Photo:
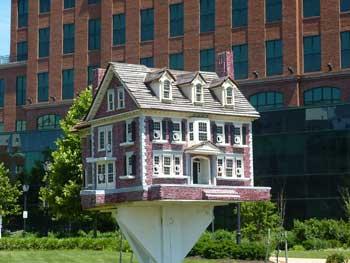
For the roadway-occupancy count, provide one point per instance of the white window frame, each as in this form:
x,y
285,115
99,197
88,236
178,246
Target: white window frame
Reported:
x,y
231,97
239,159
128,131
180,173
191,131
128,167
159,156
106,130
196,129
196,93
170,166
231,159
121,102
170,90
175,122
240,136
110,100
222,134
104,168
160,130
222,166
235,159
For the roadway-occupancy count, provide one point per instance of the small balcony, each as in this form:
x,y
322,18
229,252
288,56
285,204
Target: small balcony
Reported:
x,y
7,59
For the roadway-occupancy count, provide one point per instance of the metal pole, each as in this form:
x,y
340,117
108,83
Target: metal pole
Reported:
x,y
121,247
212,225
238,235
286,246
24,210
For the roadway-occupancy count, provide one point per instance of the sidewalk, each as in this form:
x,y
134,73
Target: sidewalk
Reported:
x,y
298,260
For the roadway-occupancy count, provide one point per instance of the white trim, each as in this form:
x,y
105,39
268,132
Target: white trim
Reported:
x,y
171,177
250,144
114,191
125,144
127,168
211,182
160,130
100,159
196,122
129,133
120,90
110,103
105,130
143,150
126,177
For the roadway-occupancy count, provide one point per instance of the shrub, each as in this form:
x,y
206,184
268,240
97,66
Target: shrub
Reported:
x,y
336,258
315,244
298,248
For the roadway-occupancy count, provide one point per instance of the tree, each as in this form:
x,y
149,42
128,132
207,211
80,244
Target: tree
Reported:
x,y
257,218
9,194
345,195
64,178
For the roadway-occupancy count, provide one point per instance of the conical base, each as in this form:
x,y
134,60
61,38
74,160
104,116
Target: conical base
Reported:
x,y
163,233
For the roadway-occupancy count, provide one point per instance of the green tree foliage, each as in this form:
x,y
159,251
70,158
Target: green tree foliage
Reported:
x,y
64,179
257,218
9,194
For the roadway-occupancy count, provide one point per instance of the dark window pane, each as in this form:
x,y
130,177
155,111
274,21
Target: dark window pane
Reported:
x,y
94,34
176,20
322,95
274,57
344,5
68,38
91,69
311,8
2,92
345,49
148,62
22,51
67,84
48,122
312,53
239,13
22,13
273,10
44,42
69,4
21,88
119,29
147,24
207,15
207,60
240,61
177,61
45,6
43,87
267,100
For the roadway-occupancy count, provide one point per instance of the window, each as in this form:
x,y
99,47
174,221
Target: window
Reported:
x,y
44,42
105,138
2,92
345,49
68,38
176,61
101,173
177,165
229,96
157,130
267,100
45,6
207,57
90,2
220,167
156,165
239,13
43,86
69,4
311,8
322,95
229,167
22,51
119,29
273,10
207,11
121,98
94,34
147,24
110,100
49,122
344,5
22,13
167,165
67,84
91,69
110,174
1,127
312,53
191,131
105,174
220,133
130,131
198,93
176,131
176,20
240,59
21,87
21,126
239,167
167,90
202,131
148,62
130,164
274,57
237,135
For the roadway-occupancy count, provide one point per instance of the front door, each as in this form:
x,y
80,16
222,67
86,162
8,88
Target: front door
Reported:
x,y
196,170
200,171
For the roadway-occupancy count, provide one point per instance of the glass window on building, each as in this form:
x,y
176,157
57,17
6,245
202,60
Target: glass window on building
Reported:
x,y
69,4
267,100
177,61
22,13
344,5
22,51
45,6
148,62
91,69
21,89
48,122
273,10
239,13
274,57
176,20
21,126
322,95
119,29
94,34
147,24
207,15
240,61
2,92
67,84
207,60
2,129
44,42
91,2
68,38
312,53
345,49
43,87
311,8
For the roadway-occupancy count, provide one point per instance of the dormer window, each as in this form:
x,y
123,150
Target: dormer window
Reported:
x,y
110,99
199,93
167,90
229,96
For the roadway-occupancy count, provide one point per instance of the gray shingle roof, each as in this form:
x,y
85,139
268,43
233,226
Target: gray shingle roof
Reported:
x,y
135,76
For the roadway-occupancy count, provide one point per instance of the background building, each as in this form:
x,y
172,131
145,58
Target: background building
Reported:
x,y
289,56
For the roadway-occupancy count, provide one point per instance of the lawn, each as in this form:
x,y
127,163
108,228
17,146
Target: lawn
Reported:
x,y
315,253
75,256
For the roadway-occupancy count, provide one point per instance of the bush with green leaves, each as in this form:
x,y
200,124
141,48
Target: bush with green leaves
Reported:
x,y
337,258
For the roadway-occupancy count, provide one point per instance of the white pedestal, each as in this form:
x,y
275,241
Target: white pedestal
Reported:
x,y
163,233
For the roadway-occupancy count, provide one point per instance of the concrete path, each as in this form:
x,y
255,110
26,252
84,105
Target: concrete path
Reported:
x,y
298,260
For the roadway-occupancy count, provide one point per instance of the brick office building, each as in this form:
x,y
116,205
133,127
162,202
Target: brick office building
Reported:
x,y
287,54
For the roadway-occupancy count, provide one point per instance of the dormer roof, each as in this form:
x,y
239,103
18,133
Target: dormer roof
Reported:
x,y
218,82
157,74
187,78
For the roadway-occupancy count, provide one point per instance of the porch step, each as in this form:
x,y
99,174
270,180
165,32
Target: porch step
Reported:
x,y
220,194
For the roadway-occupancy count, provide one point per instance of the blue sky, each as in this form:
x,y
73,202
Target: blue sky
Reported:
x,y
5,23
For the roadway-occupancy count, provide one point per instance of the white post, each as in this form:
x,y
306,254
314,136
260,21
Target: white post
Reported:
x,y
0,225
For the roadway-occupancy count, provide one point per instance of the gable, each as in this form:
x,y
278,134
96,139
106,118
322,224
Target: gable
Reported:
x,y
204,148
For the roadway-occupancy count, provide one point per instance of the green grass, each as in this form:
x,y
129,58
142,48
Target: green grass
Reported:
x,y
75,256
314,253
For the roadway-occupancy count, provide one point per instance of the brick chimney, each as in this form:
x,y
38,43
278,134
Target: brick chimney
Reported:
x,y
224,64
98,76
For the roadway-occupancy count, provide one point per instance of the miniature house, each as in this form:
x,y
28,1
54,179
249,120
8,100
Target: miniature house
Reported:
x,y
158,134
